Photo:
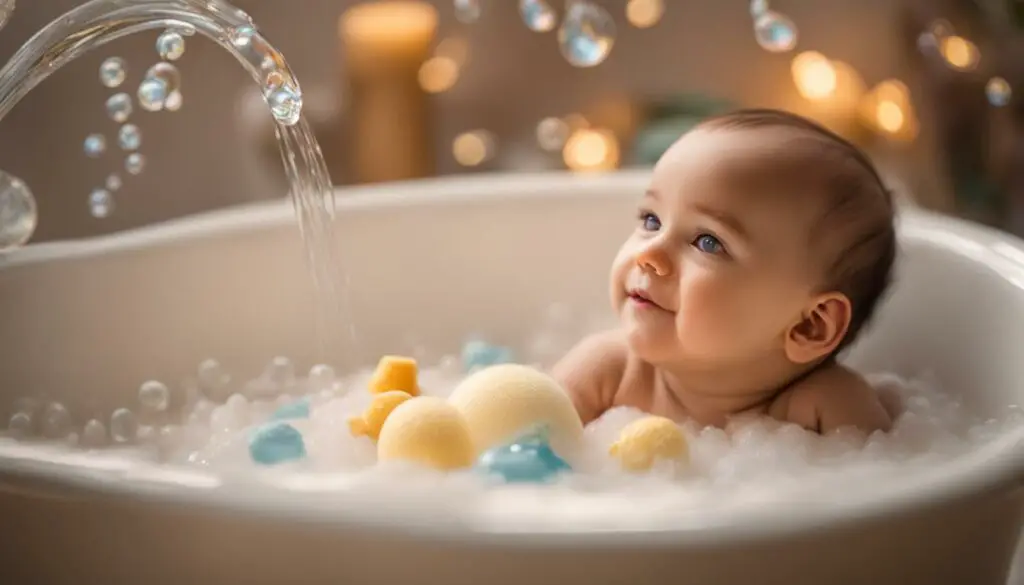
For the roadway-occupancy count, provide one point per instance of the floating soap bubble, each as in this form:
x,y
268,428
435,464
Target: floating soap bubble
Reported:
x,y
95,145
212,377
280,371
170,45
6,11
152,94
285,104
467,11
119,107
20,425
242,36
134,163
18,213
113,72
113,182
321,376
129,137
154,396
56,421
758,8
94,434
552,134
101,203
775,32
538,15
124,427
173,102
998,92
169,74
586,35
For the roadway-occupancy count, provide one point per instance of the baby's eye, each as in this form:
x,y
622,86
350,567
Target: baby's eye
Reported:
x,y
650,221
708,244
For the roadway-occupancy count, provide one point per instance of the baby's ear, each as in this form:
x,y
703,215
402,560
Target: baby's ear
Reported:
x,y
820,330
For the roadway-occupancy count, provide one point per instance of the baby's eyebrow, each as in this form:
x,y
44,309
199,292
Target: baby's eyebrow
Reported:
x,y
727,219
651,194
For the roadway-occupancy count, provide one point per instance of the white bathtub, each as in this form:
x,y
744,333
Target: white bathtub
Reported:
x,y
86,322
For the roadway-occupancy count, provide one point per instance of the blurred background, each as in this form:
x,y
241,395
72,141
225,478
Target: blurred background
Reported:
x,y
412,89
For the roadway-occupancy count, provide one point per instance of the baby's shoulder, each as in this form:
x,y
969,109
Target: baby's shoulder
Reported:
x,y
832,397
592,371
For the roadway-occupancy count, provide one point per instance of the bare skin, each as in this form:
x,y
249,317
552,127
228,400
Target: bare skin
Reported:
x,y
720,304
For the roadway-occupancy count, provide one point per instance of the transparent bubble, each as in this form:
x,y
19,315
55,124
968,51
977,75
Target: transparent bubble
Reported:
x,y
280,371
18,213
20,425
119,107
758,7
134,163
113,72
212,377
998,92
94,434
552,134
152,94
586,35
467,11
170,45
56,421
285,104
129,137
173,102
321,376
113,182
538,15
124,427
775,33
101,203
169,74
6,11
154,396
242,36
94,145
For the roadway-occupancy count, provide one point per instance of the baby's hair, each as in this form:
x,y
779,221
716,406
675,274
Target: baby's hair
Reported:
x,y
858,206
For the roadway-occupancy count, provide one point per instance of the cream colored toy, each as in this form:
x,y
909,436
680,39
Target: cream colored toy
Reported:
x,y
395,373
646,440
429,431
372,419
501,402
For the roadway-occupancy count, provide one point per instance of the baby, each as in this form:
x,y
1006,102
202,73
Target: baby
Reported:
x,y
761,249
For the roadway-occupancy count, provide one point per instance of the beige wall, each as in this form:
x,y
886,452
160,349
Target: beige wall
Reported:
x,y
204,155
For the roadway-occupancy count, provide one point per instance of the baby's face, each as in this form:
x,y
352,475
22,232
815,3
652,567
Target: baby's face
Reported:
x,y
718,268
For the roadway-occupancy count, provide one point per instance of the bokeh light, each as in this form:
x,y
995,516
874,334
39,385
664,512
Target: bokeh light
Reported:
x,y
591,149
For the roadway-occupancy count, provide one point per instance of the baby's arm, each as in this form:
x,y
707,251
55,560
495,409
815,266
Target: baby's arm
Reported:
x,y
591,373
831,398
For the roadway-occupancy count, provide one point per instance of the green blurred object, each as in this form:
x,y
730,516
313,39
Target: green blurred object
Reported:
x,y
670,119
1016,10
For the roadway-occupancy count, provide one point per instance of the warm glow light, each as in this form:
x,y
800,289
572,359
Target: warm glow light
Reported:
x,y
454,48
576,122
438,74
889,116
388,23
814,75
591,150
888,109
959,52
470,149
644,13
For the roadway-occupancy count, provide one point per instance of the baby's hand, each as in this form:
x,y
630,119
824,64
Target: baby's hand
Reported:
x,y
592,371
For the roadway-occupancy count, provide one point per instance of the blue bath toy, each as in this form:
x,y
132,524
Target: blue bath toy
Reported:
x,y
478,354
528,459
276,442
292,410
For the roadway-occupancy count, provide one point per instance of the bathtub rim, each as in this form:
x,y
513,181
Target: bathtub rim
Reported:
x,y
996,468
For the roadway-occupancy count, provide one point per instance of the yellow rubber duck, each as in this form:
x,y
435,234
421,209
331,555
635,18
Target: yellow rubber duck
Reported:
x,y
372,419
646,440
395,373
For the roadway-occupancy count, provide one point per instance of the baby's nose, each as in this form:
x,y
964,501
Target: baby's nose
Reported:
x,y
653,258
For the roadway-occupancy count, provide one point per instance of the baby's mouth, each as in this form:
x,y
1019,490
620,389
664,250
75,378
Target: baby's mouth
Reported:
x,y
642,298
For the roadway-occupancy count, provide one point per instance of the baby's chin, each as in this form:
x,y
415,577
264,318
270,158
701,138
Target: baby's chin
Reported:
x,y
648,343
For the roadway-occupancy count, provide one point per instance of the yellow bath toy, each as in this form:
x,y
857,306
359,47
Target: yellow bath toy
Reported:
x,y
429,431
395,373
644,441
502,401
371,421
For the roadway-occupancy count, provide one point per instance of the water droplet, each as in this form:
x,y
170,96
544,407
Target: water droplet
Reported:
x,y
6,11
94,434
586,35
467,11
113,72
173,102
95,145
285,104
154,396
552,134
998,91
113,182
758,7
152,94
242,36
18,213
20,425
124,427
775,32
119,107
134,163
101,203
56,421
538,15
170,45
184,29
129,137
169,74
